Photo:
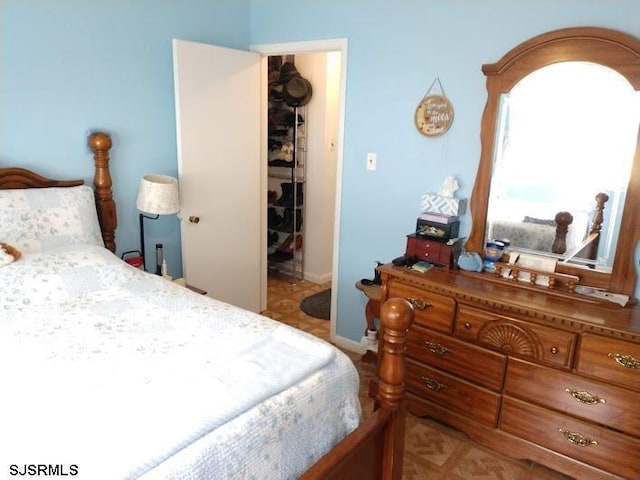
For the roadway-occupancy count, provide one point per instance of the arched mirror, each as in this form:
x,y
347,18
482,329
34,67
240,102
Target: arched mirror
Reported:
x,y
559,174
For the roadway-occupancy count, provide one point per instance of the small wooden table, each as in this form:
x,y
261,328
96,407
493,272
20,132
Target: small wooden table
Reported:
x,y
371,312
372,309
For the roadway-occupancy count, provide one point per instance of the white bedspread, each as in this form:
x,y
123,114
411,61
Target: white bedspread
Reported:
x,y
125,374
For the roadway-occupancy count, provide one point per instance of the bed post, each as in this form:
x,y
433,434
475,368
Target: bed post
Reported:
x,y
596,226
563,220
396,315
100,144
375,450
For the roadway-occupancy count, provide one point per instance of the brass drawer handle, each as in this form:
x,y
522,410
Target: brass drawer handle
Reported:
x,y
433,384
436,348
585,397
577,438
419,304
627,361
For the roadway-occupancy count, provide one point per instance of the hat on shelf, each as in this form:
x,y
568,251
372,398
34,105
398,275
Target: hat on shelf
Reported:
x,y
288,71
276,93
297,91
274,76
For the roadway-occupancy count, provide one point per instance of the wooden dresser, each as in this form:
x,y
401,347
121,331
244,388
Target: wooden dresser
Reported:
x,y
532,375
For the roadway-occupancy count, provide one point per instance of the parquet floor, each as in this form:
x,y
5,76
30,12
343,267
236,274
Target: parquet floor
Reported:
x,y
433,451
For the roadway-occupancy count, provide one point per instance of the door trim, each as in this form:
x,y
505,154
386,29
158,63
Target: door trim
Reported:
x,y
311,46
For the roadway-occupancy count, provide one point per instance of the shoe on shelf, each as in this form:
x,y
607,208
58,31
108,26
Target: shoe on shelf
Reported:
x,y
377,280
274,219
290,196
279,256
291,245
286,225
272,239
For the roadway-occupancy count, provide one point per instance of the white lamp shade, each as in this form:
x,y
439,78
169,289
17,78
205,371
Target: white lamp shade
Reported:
x,y
158,195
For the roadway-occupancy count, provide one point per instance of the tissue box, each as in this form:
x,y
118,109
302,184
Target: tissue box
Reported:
x,y
434,203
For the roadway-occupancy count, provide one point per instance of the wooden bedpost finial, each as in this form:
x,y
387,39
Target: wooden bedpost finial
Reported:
x,y
396,315
100,144
563,220
598,217
99,141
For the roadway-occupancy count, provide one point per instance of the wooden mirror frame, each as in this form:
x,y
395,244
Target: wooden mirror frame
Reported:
x,y
616,50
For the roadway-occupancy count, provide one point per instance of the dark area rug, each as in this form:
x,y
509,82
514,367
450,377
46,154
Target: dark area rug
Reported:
x,y
317,305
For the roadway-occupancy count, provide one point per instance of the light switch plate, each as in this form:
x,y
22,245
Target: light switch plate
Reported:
x,y
371,161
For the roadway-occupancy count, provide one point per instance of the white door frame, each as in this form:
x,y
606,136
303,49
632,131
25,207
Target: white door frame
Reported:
x,y
312,46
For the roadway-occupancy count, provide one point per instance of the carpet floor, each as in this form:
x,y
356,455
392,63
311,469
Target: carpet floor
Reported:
x,y
433,451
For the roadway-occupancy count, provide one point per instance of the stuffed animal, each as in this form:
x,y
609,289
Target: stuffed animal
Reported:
x,y
8,254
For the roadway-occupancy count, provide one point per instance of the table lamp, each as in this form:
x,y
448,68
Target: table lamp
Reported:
x,y
157,195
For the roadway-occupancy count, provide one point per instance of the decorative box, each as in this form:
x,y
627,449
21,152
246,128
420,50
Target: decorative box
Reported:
x,y
433,251
436,230
434,203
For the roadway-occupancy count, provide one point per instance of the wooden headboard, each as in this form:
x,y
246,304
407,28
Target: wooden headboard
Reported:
x,y
100,144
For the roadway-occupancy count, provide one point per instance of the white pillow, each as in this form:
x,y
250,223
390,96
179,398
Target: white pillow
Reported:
x,y
37,219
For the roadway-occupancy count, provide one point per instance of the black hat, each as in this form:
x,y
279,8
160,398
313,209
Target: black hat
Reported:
x,y
287,72
297,91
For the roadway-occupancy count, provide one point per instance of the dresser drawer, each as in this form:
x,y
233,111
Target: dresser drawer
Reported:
x,y
516,337
610,359
453,393
614,407
430,309
429,250
614,452
468,361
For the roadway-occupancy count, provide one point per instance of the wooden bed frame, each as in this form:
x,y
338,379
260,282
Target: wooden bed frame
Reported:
x,y
100,144
589,247
375,449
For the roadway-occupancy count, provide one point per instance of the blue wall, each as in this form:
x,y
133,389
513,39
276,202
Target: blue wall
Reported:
x,y
396,49
69,66
73,65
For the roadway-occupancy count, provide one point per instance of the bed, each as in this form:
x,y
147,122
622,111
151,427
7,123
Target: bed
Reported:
x,y
111,372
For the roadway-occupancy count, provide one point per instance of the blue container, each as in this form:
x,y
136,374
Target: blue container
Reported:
x,y
493,251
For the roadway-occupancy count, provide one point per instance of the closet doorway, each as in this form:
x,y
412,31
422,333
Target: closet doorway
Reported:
x,y
323,64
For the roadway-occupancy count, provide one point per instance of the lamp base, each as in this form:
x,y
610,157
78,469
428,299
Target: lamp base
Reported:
x,y
144,258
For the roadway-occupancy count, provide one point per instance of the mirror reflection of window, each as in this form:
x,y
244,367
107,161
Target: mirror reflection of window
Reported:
x,y
566,132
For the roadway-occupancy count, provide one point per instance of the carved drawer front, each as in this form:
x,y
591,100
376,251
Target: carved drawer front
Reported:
x,y
592,444
610,359
468,361
608,405
516,337
430,309
453,393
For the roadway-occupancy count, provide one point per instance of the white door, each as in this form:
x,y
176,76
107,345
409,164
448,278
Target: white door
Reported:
x,y
217,95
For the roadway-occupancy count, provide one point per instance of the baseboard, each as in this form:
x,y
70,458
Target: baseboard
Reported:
x,y
348,344
315,278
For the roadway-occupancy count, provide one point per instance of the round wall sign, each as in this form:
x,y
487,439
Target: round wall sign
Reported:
x,y
434,115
